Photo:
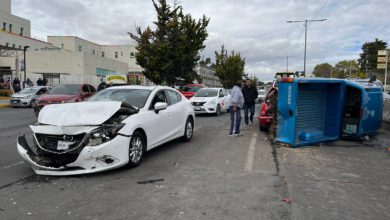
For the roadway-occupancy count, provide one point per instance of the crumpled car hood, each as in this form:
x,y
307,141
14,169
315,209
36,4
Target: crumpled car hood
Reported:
x,y
77,114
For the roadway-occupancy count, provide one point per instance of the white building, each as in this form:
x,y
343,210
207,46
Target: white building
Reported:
x,y
208,76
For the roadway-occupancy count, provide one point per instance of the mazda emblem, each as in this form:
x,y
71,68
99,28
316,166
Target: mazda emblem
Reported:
x,y
67,138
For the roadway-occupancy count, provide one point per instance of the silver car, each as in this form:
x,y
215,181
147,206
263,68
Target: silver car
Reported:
x,y
27,96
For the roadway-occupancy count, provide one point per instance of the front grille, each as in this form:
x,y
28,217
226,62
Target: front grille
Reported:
x,y
15,101
198,103
50,142
45,152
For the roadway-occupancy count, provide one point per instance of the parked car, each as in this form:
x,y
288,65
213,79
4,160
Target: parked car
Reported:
x,y
211,101
190,90
266,111
113,128
261,95
27,97
64,93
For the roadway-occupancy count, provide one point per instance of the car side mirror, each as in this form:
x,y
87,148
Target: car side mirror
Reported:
x,y
160,106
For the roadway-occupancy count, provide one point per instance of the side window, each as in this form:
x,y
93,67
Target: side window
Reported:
x,y
221,94
173,97
92,89
159,97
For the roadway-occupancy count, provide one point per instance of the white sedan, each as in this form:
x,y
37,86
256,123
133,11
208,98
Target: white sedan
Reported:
x,y
211,100
113,128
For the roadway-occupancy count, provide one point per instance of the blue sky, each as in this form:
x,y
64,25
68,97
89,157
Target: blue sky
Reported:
x,y
256,28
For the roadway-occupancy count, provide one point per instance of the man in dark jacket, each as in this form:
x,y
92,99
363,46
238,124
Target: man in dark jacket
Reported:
x,y
250,96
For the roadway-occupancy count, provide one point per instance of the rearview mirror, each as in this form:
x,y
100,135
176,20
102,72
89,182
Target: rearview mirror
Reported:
x,y
160,106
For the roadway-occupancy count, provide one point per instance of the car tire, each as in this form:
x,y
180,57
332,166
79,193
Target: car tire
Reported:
x,y
188,130
264,128
137,149
32,103
218,110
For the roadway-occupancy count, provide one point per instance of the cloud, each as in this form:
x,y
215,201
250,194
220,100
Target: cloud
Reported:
x,y
255,28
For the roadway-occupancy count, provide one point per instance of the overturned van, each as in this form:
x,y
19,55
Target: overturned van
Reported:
x,y
315,110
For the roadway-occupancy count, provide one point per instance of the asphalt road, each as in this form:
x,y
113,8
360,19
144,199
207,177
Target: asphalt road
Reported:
x,y
15,122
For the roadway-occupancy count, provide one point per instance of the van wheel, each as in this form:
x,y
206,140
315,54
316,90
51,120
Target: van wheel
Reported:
x,y
137,149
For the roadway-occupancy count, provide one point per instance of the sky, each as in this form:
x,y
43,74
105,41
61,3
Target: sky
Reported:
x,y
258,29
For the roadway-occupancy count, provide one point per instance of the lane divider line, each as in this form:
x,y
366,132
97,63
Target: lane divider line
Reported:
x,y
12,165
251,153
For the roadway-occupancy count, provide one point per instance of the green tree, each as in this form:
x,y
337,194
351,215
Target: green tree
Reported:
x,y
346,68
322,70
369,56
171,51
229,67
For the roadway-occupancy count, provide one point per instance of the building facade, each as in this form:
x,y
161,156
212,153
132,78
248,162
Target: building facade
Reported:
x,y
207,74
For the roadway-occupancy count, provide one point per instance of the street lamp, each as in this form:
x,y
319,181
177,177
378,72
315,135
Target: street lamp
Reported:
x,y
25,65
305,21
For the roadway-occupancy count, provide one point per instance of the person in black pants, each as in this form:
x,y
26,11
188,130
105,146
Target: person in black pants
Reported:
x,y
250,95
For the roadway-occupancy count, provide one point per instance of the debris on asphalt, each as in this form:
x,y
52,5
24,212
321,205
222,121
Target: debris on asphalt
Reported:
x,y
286,200
29,213
150,181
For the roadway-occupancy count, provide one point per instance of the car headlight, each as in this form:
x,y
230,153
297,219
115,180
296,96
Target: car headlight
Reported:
x,y
105,133
212,102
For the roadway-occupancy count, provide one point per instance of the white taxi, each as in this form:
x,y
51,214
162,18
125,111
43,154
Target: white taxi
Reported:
x,y
211,101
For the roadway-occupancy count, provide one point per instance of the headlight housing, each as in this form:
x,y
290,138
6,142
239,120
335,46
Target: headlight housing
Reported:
x,y
104,133
212,102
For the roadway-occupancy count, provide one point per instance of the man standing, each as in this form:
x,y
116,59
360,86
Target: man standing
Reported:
x,y
236,103
250,95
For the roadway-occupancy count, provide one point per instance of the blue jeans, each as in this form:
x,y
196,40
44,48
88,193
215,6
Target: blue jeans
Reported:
x,y
247,109
235,119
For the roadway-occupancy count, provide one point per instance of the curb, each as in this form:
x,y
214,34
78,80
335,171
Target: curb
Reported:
x,y
4,98
5,105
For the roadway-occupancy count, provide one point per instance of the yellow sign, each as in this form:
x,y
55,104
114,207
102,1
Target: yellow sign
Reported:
x,y
116,77
381,66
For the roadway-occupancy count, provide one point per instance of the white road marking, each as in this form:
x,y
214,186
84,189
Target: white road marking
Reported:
x,y
12,165
251,154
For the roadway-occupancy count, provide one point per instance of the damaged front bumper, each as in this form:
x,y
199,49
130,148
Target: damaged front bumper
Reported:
x,y
89,159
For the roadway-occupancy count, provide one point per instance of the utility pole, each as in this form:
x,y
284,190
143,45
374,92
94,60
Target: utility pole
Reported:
x,y
25,65
305,25
287,65
387,62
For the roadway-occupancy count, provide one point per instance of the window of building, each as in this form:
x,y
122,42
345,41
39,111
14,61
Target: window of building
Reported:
x,y
4,26
116,55
121,54
10,27
80,48
103,54
21,31
132,54
93,52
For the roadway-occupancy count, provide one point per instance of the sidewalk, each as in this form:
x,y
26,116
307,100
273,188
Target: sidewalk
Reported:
x,y
4,102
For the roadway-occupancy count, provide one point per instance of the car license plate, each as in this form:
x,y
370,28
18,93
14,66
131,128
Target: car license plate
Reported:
x,y
197,108
63,145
